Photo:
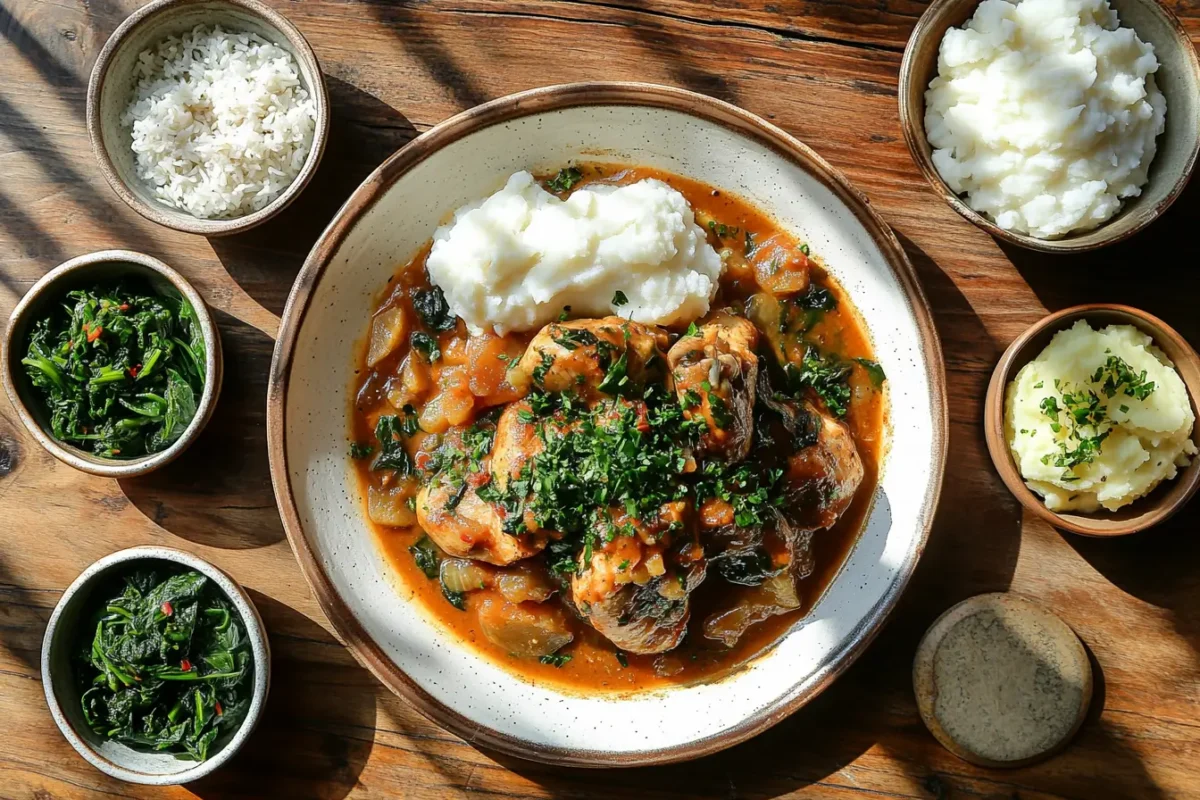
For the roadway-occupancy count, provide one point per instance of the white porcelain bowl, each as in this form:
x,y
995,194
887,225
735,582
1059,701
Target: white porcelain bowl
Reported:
x,y
384,224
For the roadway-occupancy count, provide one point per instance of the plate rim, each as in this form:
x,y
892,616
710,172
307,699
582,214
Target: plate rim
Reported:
x,y
521,104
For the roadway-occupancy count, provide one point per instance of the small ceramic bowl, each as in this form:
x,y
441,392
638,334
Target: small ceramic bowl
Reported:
x,y
112,84
62,694
1169,497
81,272
1178,78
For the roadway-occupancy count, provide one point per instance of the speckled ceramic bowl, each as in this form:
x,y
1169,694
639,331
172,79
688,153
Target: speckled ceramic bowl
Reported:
x,y
388,220
112,84
1178,147
80,272
62,694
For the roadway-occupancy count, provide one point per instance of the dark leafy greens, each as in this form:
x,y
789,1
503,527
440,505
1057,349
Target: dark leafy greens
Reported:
x,y
165,665
433,309
119,369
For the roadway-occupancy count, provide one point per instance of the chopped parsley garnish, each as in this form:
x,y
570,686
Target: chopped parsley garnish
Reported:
x,y
824,374
721,415
804,249
1082,414
692,330
539,372
749,248
619,299
571,338
565,180
617,376
1116,375
556,659
622,660
722,230
426,346
616,457
361,450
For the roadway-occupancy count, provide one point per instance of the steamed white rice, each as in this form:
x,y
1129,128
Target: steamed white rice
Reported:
x,y
220,122
1044,113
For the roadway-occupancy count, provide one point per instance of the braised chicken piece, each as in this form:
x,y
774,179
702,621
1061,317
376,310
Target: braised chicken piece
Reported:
x,y
592,357
634,589
823,469
715,373
462,524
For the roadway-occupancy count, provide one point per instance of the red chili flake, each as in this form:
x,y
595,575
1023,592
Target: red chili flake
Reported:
x,y
477,479
466,538
124,306
217,707
422,460
116,452
185,665
166,608
133,371
94,333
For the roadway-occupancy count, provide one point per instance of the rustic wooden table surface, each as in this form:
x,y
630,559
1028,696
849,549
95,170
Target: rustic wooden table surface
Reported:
x,y
826,71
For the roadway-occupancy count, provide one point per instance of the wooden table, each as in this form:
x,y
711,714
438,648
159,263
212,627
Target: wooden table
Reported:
x,y
822,69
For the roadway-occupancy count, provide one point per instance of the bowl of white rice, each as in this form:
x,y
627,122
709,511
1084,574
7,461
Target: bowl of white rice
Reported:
x,y
207,116
1055,125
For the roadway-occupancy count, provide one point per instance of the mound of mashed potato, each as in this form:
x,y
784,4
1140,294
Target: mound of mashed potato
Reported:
x,y
1112,388
1044,113
511,262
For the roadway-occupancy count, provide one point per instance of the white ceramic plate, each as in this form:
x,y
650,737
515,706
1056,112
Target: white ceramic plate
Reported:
x,y
384,224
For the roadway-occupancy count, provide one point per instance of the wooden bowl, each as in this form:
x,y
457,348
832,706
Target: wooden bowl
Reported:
x,y
79,272
1178,78
112,84
1166,499
62,692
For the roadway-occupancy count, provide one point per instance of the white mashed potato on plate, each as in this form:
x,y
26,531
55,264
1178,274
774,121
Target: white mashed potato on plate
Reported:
x,y
1098,419
1044,113
512,261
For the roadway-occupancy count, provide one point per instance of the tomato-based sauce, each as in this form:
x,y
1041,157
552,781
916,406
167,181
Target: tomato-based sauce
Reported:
x,y
469,376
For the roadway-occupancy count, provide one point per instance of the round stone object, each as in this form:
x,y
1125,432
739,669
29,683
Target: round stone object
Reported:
x,y
1001,681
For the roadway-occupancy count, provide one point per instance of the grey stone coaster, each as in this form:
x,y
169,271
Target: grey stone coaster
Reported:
x,y
1002,682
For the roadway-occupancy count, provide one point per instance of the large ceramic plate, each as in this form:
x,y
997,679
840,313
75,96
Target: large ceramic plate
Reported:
x,y
385,222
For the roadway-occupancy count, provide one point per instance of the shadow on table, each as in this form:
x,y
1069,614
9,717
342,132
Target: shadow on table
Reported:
x,y
317,731
363,132
1157,566
218,493
1155,270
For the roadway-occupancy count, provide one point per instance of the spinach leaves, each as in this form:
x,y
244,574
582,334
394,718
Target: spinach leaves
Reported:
x,y
165,665
433,309
119,369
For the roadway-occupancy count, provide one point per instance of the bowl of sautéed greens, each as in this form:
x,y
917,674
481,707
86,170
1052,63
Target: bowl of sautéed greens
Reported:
x,y
113,363
155,665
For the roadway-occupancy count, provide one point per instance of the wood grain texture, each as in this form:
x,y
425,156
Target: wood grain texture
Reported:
x,y
825,72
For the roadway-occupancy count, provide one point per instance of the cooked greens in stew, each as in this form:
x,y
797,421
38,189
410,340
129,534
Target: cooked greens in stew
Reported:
x,y
612,504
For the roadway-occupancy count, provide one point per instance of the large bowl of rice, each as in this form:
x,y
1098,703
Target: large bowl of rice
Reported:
x,y
207,116
1014,148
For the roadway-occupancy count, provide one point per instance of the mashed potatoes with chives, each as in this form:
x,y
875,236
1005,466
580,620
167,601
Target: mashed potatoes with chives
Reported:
x,y
1098,419
511,262
1044,113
